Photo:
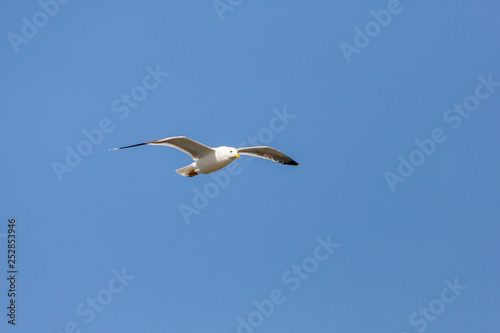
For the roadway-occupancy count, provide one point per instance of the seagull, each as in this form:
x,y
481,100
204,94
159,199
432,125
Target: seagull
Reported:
x,y
208,160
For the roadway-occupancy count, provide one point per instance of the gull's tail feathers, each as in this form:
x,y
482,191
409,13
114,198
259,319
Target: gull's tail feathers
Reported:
x,y
188,171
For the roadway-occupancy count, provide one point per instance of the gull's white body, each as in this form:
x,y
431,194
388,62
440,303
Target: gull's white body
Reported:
x,y
208,160
217,160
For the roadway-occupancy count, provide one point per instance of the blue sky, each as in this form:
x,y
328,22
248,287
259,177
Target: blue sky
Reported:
x,y
373,232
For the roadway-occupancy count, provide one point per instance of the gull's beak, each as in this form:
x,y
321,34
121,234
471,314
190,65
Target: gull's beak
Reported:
x,y
237,155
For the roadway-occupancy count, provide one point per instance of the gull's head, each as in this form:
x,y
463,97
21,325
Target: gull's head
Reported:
x,y
230,152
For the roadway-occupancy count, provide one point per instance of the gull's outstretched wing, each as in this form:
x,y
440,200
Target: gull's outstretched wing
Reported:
x,y
194,149
267,153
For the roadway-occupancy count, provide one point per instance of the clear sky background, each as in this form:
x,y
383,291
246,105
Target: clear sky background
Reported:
x,y
120,210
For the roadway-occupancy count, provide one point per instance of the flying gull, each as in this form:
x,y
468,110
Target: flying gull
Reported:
x,y
208,160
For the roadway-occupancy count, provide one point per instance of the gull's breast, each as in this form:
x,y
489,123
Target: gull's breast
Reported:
x,y
210,163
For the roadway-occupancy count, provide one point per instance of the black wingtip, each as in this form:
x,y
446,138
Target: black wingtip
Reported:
x,y
139,144
292,162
